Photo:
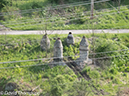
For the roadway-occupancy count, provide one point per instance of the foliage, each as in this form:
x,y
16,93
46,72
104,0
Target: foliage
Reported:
x,y
35,20
61,80
64,1
95,74
113,71
127,69
4,3
57,89
71,51
105,45
86,70
81,88
109,46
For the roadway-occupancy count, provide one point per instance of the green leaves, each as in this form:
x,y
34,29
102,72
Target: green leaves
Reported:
x,y
58,85
4,3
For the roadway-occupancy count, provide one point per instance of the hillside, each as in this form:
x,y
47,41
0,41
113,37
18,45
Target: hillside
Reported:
x,y
95,64
24,65
60,15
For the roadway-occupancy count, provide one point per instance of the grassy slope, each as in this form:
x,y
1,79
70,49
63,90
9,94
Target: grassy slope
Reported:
x,y
35,76
55,21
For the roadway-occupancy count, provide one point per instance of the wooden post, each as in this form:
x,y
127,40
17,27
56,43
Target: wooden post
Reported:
x,y
92,9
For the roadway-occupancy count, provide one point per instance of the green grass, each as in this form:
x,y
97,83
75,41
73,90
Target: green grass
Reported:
x,y
74,17
49,79
104,20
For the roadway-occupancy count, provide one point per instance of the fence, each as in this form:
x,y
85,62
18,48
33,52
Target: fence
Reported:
x,y
29,68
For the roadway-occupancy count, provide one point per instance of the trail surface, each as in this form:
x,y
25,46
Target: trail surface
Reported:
x,y
63,31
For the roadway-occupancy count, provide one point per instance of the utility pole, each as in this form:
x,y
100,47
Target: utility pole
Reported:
x,y
92,9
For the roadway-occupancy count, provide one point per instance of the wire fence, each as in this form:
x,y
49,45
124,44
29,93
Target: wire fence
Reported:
x,y
68,16
50,61
48,18
56,7
65,56
65,20
56,63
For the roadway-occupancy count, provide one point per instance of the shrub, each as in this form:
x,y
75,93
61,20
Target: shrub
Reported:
x,y
86,70
94,74
124,74
58,90
69,78
113,71
127,64
127,69
79,88
70,51
112,77
122,69
4,3
46,75
103,45
116,81
13,14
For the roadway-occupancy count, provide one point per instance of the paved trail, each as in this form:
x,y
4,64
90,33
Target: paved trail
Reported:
x,y
64,32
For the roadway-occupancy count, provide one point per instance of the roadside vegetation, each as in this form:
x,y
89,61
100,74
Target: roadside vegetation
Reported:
x,y
108,78
23,63
52,15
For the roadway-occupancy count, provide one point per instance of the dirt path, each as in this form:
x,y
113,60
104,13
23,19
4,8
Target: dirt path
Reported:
x,y
23,32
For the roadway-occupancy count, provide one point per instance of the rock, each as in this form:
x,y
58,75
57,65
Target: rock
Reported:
x,y
70,39
84,50
11,86
45,42
58,52
84,53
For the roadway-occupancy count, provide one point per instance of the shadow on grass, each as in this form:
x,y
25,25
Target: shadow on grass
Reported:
x,y
3,82
37,69
32,5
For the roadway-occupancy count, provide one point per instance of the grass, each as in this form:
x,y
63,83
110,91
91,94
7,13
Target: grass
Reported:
x,y
73,17
110,20
28,78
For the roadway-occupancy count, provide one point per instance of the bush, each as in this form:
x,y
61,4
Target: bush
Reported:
x,y
113,71
103,45
122,69
94,74
58,90
124,74
4,3
86,70
80,88
106,45
70,78
64,1
71,51
116,81
13,14
46,75
112,77
127,69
